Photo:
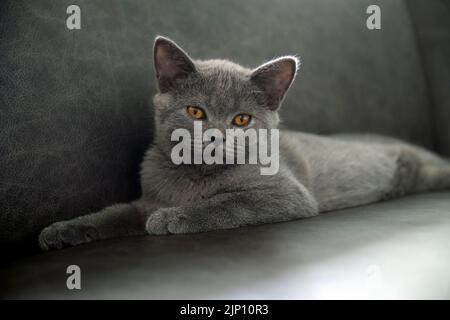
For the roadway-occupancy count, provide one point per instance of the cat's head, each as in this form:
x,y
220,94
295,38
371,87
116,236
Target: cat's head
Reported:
x,y
221,94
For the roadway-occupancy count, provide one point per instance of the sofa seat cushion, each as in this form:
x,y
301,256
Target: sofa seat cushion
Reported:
x,y
395,249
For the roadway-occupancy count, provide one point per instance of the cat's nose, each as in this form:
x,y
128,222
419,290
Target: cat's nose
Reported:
x,y
224,137
222,129
224,133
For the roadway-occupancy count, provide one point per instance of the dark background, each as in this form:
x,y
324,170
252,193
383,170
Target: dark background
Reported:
x,y
75,106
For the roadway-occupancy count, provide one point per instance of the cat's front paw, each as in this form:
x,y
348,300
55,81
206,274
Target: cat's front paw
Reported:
x,y
168,221
64,234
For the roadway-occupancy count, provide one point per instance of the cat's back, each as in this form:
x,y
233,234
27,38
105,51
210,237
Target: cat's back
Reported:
x,y
336,152
335,164
313,147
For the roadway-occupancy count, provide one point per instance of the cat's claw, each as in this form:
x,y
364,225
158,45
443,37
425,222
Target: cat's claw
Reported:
x,y
65,234
167,221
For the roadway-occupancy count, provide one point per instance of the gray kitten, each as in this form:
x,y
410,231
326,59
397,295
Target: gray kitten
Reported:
x,y
316,173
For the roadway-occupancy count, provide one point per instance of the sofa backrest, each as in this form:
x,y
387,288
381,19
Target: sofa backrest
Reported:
x,y
75,111
432,24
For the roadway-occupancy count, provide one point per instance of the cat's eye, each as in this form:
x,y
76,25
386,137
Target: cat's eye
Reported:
x,y
242,119
196,112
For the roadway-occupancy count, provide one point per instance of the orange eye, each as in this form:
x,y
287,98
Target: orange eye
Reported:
x,y
241,119
195,112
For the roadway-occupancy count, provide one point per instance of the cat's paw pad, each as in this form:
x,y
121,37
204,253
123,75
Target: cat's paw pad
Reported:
x,y
167,221
64,234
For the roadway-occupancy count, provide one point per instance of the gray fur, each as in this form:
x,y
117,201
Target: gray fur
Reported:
x,y
316,173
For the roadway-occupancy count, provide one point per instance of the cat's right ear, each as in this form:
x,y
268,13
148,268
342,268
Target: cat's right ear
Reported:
x,y
171,63
275,77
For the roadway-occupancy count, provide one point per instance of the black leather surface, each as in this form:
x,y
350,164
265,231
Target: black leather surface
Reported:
x,y
432,24
75,113
391,250
75,116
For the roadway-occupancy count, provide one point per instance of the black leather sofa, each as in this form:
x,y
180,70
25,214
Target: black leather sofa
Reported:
x,y
76,118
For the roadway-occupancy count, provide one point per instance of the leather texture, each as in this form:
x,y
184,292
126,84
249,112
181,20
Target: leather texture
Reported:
x,y
390,250
432,24
75,111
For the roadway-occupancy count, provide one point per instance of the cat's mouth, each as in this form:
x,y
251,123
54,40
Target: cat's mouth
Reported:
x,y
218,150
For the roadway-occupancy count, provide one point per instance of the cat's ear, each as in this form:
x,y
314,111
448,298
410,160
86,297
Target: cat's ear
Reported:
x,y
274,78
171,63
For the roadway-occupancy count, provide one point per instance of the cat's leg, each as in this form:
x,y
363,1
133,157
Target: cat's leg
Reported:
x,y
433,177
419,171
236,209
115,221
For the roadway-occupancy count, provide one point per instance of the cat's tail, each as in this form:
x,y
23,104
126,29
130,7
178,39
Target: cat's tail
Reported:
x,y
418,170
434,177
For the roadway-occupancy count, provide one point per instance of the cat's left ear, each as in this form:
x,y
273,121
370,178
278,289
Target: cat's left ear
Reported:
x,y
275,77
171,63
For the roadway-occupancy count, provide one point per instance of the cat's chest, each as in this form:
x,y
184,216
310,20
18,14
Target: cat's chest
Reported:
x,y
175,188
